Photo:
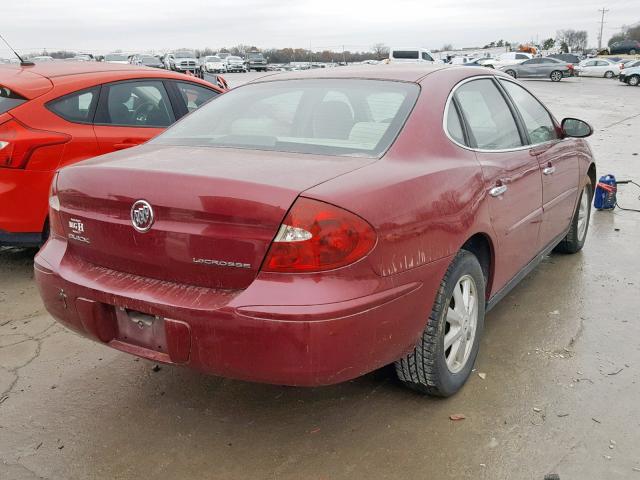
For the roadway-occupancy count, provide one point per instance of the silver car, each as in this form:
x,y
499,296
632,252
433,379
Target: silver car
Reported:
x,y
546,67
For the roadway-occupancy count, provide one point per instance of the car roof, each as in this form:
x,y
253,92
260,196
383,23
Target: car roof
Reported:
x,y
394,72
35,80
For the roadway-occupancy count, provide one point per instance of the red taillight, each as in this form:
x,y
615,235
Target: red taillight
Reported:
x,y
570,65
55,222
316,236
18,142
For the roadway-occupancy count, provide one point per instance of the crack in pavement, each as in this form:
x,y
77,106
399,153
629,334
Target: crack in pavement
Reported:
x,y
39,338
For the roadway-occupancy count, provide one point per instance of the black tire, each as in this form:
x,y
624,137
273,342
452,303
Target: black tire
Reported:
x,y
555,76
425,368
573,242
511,73
632,51
633,80
608,74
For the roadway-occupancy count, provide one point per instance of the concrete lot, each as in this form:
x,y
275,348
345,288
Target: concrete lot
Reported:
x,y
561,355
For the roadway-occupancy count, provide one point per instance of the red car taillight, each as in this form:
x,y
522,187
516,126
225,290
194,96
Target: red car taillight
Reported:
x,y
18,142
55,222
316,236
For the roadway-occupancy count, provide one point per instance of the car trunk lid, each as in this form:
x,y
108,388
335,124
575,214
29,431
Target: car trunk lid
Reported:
x,y
215,210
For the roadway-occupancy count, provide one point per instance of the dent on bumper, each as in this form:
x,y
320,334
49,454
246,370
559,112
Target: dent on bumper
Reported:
x,y
303,345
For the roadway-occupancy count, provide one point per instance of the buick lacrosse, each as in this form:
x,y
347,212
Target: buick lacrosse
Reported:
x,y
310,227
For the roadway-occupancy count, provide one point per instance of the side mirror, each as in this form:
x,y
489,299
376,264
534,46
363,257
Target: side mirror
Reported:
x,y
572,127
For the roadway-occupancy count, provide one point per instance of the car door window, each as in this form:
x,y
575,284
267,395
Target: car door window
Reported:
x,y
488,116
426,56
76,107
138,104
590,64
521,56
537,121
194,96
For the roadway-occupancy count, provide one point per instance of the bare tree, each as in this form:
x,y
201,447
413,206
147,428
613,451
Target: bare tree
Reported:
x,y
380,50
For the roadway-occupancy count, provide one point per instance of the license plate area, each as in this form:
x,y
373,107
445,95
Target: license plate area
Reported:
x,y
141,329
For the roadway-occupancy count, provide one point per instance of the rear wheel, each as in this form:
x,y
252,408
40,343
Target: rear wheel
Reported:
x,y
511,73
555,76
577,234
632,51
443,359
633,80
608,74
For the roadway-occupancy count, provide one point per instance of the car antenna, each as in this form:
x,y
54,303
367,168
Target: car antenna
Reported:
x,y
23,63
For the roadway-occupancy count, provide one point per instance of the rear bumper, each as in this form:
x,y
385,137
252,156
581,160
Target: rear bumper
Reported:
x,y
225,333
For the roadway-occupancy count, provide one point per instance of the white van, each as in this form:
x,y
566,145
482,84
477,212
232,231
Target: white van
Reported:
x,y
410,55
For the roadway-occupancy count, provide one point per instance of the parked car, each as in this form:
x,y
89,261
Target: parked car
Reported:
x,y
625,47
410,55
255,61
42,58
148,61
509,58
57,113
214,64
118,58
597,67
234,64
481,62
571,58
313,233
182,61
629,64
543,67
630,76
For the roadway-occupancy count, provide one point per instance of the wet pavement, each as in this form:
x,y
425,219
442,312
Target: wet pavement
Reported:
x,y
561,355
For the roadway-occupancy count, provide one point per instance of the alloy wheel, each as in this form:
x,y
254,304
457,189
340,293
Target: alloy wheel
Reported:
x,y
556,76
461,322
583,214
633,81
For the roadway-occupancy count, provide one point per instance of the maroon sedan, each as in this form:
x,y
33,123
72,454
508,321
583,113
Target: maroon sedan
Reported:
x,y
308,228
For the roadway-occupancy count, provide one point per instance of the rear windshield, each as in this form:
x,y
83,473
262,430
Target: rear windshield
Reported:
x,y
9,99
408,54
330,116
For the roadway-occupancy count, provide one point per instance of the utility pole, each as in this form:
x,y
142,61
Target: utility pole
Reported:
x,y
603,10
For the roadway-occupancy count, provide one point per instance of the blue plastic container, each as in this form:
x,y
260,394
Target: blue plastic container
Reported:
x,y
604,197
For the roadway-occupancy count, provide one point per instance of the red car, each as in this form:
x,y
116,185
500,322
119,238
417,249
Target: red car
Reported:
x,y
308,228
57,113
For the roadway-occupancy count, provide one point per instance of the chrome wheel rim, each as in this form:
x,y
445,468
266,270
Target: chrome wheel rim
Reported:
x,y
461,322
583,214
555,76
511,73
633,81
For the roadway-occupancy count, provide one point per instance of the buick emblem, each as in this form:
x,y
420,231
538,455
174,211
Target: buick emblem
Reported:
x,y
141,216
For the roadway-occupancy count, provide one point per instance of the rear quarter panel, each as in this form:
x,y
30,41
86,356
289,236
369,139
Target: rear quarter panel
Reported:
x,y
425,197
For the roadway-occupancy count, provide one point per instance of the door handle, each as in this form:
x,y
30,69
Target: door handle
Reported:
x,y
549,170
498,190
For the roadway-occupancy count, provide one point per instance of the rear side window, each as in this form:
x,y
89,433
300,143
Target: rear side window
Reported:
x,y
76,107
426,56
537,120
454,127
488,116
406,54
9,99
194,96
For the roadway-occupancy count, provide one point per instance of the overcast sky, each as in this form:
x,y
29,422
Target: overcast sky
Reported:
x,y
132,25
